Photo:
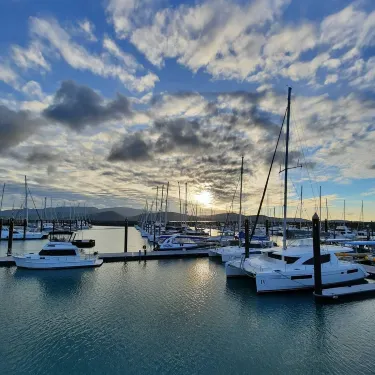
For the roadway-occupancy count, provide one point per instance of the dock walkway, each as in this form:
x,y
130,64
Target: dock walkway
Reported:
x,y
134,256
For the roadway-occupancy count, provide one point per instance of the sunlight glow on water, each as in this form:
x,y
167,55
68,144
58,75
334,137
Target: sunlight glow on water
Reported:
x,y
173,317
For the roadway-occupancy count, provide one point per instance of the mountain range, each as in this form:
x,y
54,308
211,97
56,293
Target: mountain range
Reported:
x,y
118,214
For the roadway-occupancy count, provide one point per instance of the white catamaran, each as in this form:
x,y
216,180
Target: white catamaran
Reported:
x,y
292,268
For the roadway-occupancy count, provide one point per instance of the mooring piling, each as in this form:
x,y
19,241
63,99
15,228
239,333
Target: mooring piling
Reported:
x,y
316,250
126,236
10,237
247,243
24,229
1,228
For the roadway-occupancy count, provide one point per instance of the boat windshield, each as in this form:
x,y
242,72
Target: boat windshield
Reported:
x,y
57,252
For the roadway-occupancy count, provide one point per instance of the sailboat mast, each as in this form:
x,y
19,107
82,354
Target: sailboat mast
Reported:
x,y
161,203
179,198
320,205
186,204
156,204
26,199
2,197
344,213
300,210
240,215
166,206
286,169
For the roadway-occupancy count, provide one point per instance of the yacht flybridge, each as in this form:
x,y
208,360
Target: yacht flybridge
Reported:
x,y
292,268
60,253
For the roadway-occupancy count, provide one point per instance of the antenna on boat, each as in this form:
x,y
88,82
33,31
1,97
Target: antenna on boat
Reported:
x,y
300,210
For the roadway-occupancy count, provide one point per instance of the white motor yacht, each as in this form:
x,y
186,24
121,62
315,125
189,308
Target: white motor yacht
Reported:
x,y
281,269
182,241
57,255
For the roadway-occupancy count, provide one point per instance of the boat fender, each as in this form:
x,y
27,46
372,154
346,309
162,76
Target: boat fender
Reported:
x,y
96,253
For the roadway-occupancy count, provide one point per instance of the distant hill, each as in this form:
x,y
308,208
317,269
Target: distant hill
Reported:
x,y
123,211
107,216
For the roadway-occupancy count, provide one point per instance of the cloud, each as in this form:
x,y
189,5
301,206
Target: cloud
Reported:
x,y
33,89
15,127
125,58
79,106
31,57
79,58
88,28
132,148
8,75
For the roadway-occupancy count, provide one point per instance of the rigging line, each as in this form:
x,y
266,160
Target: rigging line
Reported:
x,y
268,178
34,203
303,147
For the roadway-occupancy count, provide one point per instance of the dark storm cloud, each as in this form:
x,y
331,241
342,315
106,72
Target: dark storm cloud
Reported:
x,y
132,148
41,157
78,106
179,133
15,127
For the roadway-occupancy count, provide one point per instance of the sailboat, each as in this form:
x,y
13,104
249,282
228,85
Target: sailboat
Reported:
x,y
227,253
292,268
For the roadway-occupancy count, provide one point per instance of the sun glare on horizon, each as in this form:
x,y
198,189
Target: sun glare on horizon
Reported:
x,y
204,198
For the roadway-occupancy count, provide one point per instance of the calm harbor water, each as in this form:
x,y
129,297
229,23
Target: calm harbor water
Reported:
x,y
171,317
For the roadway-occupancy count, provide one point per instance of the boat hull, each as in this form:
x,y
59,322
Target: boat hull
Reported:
x,y
288,282
44,264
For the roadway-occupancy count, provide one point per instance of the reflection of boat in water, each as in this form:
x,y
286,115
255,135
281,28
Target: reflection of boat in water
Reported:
x,y
60,252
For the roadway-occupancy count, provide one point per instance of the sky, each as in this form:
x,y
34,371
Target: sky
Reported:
x,y
103,101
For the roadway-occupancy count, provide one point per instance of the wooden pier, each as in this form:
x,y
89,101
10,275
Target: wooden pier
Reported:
x,y
134,256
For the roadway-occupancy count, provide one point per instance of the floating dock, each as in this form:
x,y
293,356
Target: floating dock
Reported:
x,y
134,256
346,293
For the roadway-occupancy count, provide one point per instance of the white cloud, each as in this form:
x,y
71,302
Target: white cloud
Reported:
x,y
33,89
214,34
341,29
30,58
8,75
127,59
305,70
331,78
79,58
88,28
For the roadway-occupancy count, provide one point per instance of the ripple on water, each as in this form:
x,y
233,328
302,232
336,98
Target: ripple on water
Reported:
x,y
172,317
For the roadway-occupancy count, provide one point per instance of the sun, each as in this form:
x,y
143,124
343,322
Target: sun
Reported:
x,y
204,197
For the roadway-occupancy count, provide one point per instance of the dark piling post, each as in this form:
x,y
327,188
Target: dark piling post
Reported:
x,y
247,242
372,229
81,224
10,238
267,228
126,236
24,229
326,225
53,226
1,227
154,238
41,225
334,230
70,225
368,234
316,249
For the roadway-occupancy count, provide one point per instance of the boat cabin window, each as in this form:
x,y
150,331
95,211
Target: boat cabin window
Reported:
x,y
287,259
325,258
59,252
